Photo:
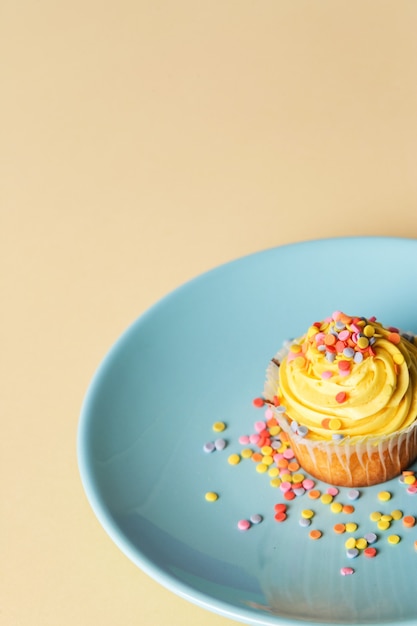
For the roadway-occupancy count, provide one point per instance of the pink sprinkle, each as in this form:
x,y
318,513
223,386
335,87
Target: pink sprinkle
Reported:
x,y
412,489
243,524
288,454
285,486
343,335
336,315
253,439
326,374
347,571
269,413
308,483
259,426
277,457
344,372
332,491
355,328
244,440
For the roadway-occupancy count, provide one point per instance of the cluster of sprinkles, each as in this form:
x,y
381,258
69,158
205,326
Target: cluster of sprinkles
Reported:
x,y
338,343
268,447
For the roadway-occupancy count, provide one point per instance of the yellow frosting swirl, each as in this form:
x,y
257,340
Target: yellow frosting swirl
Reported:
x,y
349,377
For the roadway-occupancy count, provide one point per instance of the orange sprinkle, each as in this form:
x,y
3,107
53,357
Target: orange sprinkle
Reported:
x,y
289,495
348,508
293,466
282,463
339,528
315,534
408,473
394,338
257,457
409,521
314,494
272,422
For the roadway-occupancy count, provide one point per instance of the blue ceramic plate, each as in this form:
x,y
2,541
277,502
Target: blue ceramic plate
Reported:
x,y
199,356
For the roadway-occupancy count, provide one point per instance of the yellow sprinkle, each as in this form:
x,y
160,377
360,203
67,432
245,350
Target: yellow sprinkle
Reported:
x,y
363,342
361,544
326,498
211,496
375,516
335,424
274,430
275,482
313,330
383,525
299,361
246,453
384,496
273,472
267,450
286,478
394,539
351,527
397,514
307,513
410,480
267,460
298,478
234,459
295,348
386,518
369,331
398,358
261,468
350,543
219,426
336,507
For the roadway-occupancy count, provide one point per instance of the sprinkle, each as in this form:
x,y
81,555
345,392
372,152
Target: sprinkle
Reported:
x,y
394,337
393,539
339,528
289,495
375,516
371,537
233,459
243,524
261,468
256,518
304,522
246,453
326,498
211,496
314,494
384,496
244,440
353,494
307,513
209,446
409,521
363,342
348,509
361,543
398,358
326,374
335,424
308,483
370,553
397,514
259,426
280,517
341,397
383,525
352,553
218,427
336,507
351,527
347,571
315,534
220,444
350,543
258,402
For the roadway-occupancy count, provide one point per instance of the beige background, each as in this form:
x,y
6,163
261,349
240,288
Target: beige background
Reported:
x,y
142,143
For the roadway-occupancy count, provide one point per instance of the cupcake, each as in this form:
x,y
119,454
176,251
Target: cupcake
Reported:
x,y
346,395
